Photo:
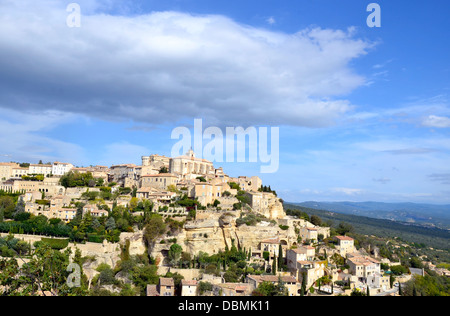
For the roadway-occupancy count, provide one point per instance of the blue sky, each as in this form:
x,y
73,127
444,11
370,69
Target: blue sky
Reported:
x,y
363,113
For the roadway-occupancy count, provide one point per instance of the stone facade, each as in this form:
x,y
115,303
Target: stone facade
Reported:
x,y
190,167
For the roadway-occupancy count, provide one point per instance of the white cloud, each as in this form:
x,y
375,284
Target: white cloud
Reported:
x,y
348,191
271,20
24,138
168,66
436,121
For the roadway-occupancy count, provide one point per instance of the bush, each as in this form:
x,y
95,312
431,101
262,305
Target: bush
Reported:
x,y
56,244
96,238
203,287
399,270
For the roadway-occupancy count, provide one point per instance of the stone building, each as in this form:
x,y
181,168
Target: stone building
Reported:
x,y
289,282
166,287
155,195
345,245
61,168
363,266
45,170
247,183
189,287
118,173
6,169
311,270
301,253
19,172
207,192
158,181
266,204
190,167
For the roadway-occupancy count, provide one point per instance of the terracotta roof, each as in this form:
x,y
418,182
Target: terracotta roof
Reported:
x,y
343,238
240,288
166,282
363,260
188,282
272,278
151,290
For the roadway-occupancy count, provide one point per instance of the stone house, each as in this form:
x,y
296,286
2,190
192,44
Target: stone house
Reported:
x,y
232,289
189,287
154,195
267,204
6,170
301,253
312,270
166,287
158,181
289,281
363,266
345,245
61,168
309,233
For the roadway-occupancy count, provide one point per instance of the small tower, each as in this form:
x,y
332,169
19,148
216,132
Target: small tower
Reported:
x,y
145,160
190,153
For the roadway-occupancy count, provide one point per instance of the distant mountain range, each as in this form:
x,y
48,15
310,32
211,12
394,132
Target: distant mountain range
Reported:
x,y
429,215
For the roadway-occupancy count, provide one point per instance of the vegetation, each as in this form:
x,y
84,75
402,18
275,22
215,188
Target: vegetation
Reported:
x,y
75,179
264,188
417,236
271,289
429,285
250,219
44,275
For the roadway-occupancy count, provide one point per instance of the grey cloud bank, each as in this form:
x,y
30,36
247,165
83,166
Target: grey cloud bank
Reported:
x,y
169,66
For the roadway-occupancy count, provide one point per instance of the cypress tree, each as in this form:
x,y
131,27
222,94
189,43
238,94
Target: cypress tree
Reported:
x,y
274,265
280,257
303,288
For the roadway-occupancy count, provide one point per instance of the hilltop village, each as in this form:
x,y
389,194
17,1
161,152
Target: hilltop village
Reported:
x,y
204,232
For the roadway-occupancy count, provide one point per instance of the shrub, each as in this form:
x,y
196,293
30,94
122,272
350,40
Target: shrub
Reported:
x,y
203,287
56,244
95,238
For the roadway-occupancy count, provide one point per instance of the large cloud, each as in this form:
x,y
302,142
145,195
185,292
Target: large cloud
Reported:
x,y
169,66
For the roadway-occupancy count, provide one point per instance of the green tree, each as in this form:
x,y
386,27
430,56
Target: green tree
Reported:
x,y
153,230
7,206
344,228
175,254
110,224
45,274
270,289
316,220
274,265
280,258
303,287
